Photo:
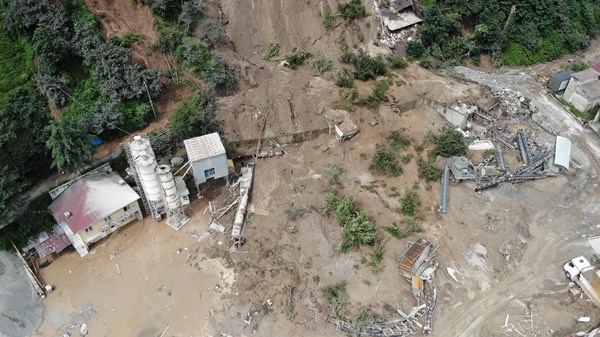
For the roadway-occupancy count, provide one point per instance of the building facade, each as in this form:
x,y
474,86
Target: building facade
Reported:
x,y
583,91
207,157
93,206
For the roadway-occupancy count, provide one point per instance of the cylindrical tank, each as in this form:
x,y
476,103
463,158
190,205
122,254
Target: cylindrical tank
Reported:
x,y
140,144
169,187
146,165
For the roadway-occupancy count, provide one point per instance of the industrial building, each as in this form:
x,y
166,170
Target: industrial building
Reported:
x,y
91,207
207,158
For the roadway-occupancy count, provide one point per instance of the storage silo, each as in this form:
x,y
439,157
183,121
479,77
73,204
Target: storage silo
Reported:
x,y
176,217
141,153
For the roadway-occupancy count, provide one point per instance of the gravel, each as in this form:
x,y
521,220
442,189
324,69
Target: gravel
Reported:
x,y
20,307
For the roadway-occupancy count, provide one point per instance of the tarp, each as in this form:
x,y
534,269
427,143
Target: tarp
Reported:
x,y
562,156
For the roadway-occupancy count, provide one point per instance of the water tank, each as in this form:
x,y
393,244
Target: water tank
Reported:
x,y
146,165
169,187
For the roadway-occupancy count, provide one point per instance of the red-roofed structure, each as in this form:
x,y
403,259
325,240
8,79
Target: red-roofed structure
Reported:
x,y
93,206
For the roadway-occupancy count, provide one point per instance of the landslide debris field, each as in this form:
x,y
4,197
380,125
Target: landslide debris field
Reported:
x,y
292,277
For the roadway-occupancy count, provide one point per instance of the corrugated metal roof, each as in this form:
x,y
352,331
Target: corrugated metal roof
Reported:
x,y
562,156
203,147
91,199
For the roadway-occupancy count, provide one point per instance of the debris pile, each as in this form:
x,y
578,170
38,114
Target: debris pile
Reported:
x,y
512,103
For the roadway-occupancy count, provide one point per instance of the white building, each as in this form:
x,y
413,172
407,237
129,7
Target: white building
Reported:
x,y
583,90
207,157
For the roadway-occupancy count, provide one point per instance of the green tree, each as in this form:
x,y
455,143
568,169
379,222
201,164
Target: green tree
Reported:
x,y
352,10
193,117
69,145
450,143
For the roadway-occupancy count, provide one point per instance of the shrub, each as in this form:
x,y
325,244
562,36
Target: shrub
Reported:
x,y
332,200
379,92
346,210
328,18
344,78
385,162
410,202
415,49
450,143
428,171
359,231
352,10
367,67
334,171
396,61
335,295
297,59
213,34
126,40
272,50
321,65
406,158
397,140
191,117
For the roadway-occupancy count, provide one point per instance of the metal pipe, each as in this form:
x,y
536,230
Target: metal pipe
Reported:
x,y
445,178
500,160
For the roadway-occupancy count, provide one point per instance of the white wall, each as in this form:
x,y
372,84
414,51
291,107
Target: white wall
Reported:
x,y
219,163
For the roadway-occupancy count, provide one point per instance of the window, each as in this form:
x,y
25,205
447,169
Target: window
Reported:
x,y
126,208
209,173
89,229
107,219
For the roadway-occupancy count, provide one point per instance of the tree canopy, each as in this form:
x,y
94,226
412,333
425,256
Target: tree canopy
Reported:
x,y
515,33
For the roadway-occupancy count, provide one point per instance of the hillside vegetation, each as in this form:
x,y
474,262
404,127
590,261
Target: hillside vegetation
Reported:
x,y
536,31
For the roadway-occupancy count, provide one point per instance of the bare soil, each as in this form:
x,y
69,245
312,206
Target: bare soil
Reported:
x,y
210,288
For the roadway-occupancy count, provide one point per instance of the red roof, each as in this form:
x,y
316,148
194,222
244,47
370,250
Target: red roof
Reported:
x,y
596,68
91,199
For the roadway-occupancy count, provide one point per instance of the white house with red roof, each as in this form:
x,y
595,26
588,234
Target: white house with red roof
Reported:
x,y
93,206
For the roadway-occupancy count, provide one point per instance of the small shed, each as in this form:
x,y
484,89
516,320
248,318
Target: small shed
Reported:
x,y
559,81
207,157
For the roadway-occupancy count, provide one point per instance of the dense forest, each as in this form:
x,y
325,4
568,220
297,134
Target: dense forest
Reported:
x,y
511,32
63,83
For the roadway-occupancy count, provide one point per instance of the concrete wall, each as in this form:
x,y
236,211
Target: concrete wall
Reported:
x,y
101,229
580,102
219,163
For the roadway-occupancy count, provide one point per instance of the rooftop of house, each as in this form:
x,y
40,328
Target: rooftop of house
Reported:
x,y
587,75
90,199
203,147
399,5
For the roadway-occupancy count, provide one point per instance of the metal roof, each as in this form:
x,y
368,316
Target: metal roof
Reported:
x,y
562,155
563,75
203,147
91,199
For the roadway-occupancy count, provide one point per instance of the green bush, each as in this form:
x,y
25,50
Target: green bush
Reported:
x,y
328,18
415,49
385,162
428,171
397,139
321,65
297,59
359,231
352,10
396,61
126,40
410,202
331,202
272,50
335,295
344,78
450,143
367,67
346,210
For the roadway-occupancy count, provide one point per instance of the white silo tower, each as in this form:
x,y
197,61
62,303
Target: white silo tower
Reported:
x,y
176,218
145,166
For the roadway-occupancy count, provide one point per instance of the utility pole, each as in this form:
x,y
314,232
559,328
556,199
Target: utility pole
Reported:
x,y
150,99
513,9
